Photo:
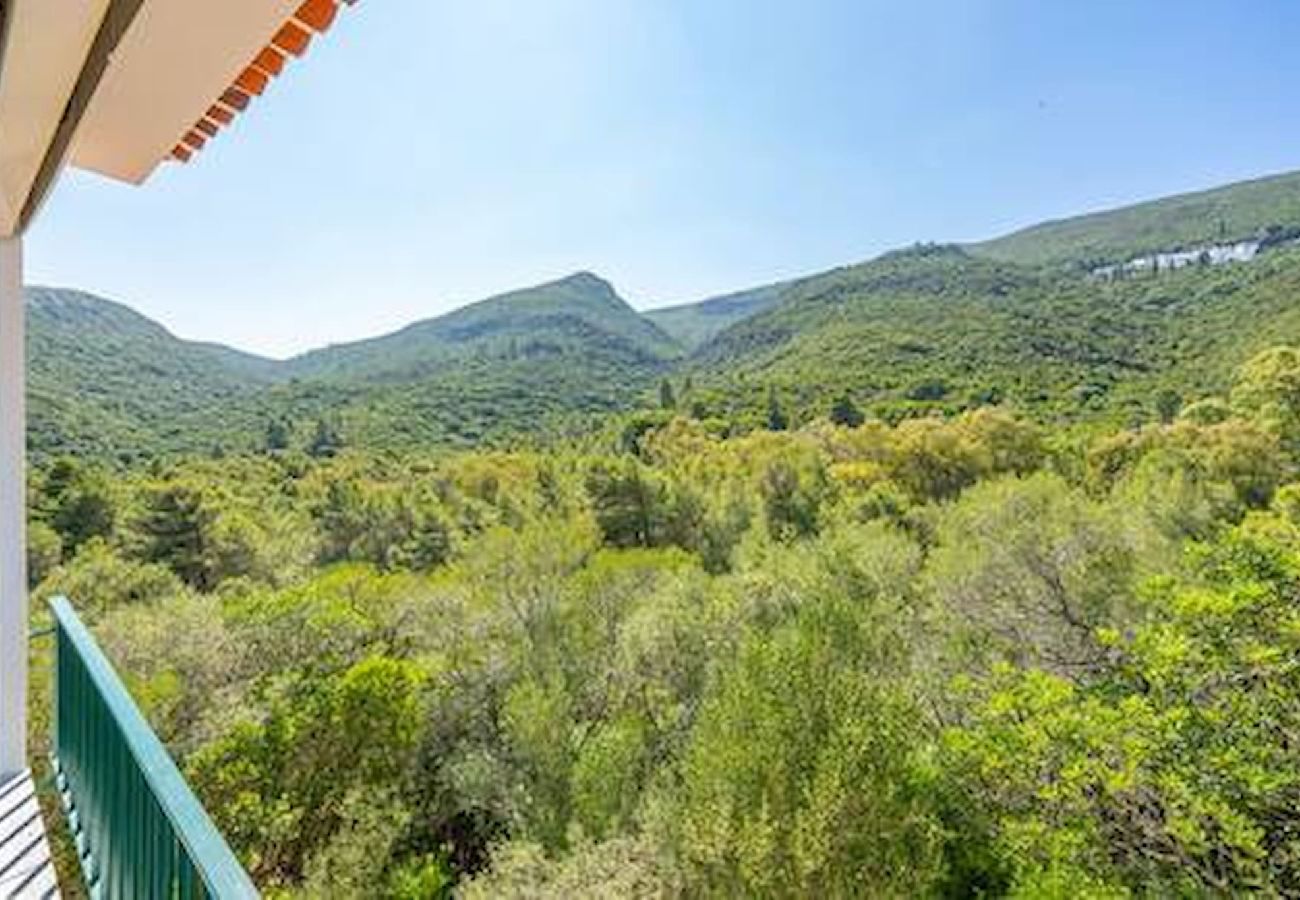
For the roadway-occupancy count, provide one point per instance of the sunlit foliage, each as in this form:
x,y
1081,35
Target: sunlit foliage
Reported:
x,y
955,656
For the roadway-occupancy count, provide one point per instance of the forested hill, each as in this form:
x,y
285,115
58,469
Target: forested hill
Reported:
x,y
1242,211
1019,321
107,382
574,313
531,360
937,329
974,636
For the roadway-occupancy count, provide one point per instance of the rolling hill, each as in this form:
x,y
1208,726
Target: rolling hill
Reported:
x,y
579,313
1015,320
1241,211
938,328
523,361
106,381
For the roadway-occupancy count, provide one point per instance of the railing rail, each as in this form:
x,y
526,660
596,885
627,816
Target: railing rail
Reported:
x,y
139,829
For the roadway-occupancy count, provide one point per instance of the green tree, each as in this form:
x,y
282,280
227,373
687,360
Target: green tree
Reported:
x,y
1268,391
1030,570
806,775
1171,772
777,420
281,787
935,460
845,412
793,499
1207,411
1168,402
278,436
78,503
44,551
667,399
631,503
392,526
100,579
327,440
206,534
177,525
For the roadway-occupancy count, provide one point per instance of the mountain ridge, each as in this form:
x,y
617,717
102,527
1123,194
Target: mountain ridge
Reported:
x,y
930,328
106,379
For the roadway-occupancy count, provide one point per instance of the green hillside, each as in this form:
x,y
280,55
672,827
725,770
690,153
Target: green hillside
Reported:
x,y
932,328
937,328
519,362
108,382
573,314
1249,209
692,324
712,645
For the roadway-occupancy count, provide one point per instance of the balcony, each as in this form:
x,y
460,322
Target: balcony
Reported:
x,y
79,88
138,830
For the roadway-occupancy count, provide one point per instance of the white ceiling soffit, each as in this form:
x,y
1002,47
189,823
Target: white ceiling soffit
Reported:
x,y
173,63
47,44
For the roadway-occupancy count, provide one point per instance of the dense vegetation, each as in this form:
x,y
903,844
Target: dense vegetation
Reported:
x,y
954,573
935,329
105,382
953,656
109,384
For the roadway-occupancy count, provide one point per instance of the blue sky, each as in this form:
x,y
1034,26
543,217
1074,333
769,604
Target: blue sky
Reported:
x,y
428,153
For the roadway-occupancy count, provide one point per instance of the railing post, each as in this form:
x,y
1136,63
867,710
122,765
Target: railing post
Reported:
x,y
13,516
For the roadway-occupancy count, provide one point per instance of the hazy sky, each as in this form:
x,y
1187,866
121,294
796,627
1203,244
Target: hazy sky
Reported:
x,y
432,152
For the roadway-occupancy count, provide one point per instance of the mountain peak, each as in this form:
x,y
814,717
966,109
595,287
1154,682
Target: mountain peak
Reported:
x,y
583,286
586,279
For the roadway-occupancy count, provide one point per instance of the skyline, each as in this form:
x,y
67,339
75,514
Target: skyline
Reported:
x,y
665,150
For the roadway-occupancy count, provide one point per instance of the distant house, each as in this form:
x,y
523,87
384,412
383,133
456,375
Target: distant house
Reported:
x,y
1211,255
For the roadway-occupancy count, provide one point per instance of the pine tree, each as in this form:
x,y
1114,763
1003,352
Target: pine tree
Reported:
x,y
667,400
326,442
777,420
277,435
844,412
1168,403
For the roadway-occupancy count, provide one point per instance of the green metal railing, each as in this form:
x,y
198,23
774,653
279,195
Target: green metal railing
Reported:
x,y
139,829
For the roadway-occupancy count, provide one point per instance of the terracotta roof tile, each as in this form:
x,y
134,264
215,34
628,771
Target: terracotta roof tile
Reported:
x,y
293,39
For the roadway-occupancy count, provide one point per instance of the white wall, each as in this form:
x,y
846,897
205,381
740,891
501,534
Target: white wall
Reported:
x,y
13,516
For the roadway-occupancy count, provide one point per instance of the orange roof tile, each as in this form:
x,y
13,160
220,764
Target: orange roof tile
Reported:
x,y
220,115
293,38
270,61
252,81
235,99
317,14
